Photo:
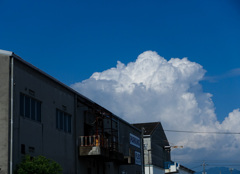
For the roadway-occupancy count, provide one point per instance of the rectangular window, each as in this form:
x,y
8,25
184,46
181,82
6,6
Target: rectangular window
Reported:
x,y
30,108
33,110
22,105
63,121
27,106
69,124
38,112
23,151
57,120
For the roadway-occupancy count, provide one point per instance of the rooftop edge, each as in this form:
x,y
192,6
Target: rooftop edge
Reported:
x,y
7,53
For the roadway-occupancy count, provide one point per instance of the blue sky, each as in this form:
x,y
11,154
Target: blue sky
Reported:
x,y
71,40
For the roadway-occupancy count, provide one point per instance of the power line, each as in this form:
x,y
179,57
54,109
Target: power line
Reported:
x,y
224,165
208,160
204,163
199,132
210,163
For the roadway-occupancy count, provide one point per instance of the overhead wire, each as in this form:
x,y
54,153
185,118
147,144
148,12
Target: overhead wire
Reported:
x,y
213,162
200,132
216,163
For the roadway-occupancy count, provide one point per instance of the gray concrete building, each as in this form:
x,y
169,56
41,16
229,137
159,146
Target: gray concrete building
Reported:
x,y
156,151
41,116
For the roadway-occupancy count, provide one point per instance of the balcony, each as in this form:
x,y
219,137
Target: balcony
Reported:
x,y
98,146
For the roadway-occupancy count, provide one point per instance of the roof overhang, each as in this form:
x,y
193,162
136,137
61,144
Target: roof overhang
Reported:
x,y
7,53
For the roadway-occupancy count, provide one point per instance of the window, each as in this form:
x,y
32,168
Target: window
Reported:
x,y
30,108
63,121
23,151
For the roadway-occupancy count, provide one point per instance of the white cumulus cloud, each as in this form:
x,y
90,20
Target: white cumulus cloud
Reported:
x,y
154,89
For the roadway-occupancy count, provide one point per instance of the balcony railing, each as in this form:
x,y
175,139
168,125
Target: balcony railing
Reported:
x,y
97,145
93,140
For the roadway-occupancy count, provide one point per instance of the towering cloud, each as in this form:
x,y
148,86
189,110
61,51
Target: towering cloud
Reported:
x,y
154,89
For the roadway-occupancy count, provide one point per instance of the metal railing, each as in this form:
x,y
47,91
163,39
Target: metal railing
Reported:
x,y
93,140
98,140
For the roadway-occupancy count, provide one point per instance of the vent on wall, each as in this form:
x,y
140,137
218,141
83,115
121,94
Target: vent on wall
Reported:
x,y
31,92
31,149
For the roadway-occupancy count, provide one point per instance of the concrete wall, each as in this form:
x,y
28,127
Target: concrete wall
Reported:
x,y
43,138
128,149
154,170
159,154
147,150
124,138
4,112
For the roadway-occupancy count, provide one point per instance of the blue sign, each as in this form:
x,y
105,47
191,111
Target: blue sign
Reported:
x,y
135,141
138,158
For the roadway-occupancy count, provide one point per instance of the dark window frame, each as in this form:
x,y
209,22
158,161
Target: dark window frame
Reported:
x,y
30,108
63,121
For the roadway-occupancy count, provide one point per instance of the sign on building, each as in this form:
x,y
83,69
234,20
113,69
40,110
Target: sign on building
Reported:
x,y
135,141
138,158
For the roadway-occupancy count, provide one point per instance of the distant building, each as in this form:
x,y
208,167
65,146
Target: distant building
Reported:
x,y
41,116
157,157
155,151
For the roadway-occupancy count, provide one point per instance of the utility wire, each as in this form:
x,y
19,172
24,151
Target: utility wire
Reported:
x,y
209,161
215,163
198,132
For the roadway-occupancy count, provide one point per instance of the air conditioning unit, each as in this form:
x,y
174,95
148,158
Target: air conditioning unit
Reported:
x,y
171,167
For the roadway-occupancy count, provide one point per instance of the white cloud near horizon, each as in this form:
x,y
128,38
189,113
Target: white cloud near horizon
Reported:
x,y
154,89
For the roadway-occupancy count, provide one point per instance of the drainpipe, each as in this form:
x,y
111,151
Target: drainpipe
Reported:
x,y
142,150
11,117
75,133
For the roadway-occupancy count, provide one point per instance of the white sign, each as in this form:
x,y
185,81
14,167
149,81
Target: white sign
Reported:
x,y
138,158
135,141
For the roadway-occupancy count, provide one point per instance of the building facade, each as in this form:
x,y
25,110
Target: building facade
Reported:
x,y
41,116
157,151
155,143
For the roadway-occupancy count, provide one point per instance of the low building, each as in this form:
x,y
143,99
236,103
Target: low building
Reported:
x,y
156,151
41,116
